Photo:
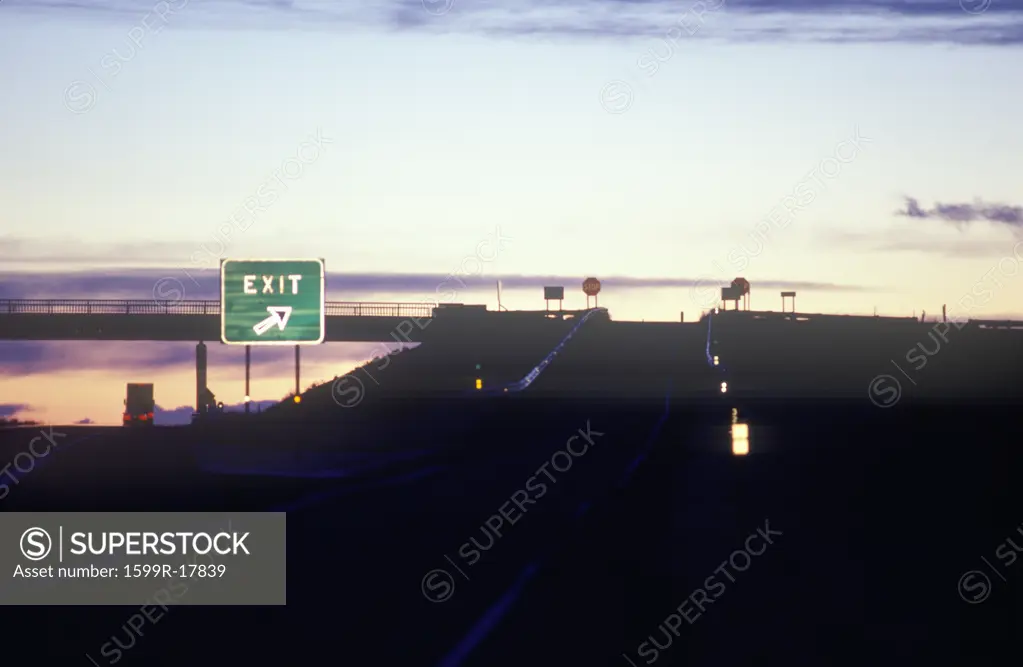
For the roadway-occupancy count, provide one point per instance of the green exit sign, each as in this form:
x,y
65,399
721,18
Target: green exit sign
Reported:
x,y
272,301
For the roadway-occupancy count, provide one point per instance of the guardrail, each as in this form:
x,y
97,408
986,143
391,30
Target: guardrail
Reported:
x,y
531,377
207,307
370,309
710,322
996,324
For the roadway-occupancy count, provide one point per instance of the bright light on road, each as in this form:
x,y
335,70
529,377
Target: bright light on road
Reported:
x,y
740,439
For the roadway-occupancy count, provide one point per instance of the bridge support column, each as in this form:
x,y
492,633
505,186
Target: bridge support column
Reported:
x,y
248,367
200,377
298,357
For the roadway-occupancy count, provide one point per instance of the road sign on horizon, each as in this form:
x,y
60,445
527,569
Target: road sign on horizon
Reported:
x,y
591,287
553,293
272,301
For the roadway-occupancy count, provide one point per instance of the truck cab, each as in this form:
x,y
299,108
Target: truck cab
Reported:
x,y
209,407
139,405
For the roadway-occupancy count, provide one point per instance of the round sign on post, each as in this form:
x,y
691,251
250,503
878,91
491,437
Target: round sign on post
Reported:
x,y
591,287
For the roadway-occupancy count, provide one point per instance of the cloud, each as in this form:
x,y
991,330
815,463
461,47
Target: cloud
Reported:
x,y
173,417
11,409
964,214
142,284
648,283
938,21
182,416
949,248
954,247
31,253
19,358
10,246
63,251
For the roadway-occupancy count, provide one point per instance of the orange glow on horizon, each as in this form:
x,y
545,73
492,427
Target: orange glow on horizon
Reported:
x,y
69,396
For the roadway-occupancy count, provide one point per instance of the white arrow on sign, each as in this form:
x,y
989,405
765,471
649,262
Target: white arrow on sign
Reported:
x,y
279,316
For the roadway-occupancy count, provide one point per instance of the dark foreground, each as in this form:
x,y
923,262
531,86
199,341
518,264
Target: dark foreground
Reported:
x,y
616,528
847,535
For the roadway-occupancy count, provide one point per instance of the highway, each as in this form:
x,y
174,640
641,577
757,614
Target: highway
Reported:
x,y
373,540
601,499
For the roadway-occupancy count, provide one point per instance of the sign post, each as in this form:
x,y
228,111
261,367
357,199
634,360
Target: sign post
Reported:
x,y
792,295
552,294
272,301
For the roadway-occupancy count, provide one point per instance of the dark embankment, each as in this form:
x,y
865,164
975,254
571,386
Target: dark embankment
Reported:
x,y
422,556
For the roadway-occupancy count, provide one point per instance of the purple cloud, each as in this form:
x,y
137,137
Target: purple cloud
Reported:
x,y
164,284
182,416
11,409
963,214
939,21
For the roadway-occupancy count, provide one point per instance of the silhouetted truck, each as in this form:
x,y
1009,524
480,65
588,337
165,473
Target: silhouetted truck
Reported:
x,y
139,406
209,407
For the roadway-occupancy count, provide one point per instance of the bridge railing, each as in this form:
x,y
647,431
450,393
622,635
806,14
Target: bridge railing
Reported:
x,y
207,307
371,309
108,307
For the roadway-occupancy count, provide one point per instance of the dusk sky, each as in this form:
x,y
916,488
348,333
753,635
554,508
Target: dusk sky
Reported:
x,y
865,153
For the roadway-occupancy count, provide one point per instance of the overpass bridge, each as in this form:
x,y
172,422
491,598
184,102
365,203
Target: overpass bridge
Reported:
x,y
195,321
199,321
